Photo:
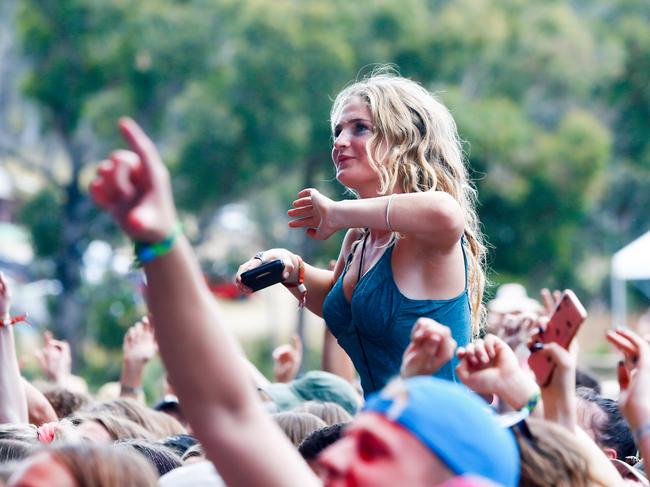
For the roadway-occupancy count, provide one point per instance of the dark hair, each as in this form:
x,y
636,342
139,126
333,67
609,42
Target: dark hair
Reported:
x,y
64,401
320,439
11,450
179,443
586,380
613,431
162,458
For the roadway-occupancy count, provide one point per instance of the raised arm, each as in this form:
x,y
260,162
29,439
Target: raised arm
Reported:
x,y
634,381
403,213
13,404
201,357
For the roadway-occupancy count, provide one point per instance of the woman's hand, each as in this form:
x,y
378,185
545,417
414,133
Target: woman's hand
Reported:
x,y
134,187
286,360
559,395
489,366
289,260
55,359
431,347
633,376
316,212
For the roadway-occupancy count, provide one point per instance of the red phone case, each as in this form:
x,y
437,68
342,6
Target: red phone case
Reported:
x,y
562,327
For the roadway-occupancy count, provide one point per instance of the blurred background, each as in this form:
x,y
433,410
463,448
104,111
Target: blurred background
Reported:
x,y
552,99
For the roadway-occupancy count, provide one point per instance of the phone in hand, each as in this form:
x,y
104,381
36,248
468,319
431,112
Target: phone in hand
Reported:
x,y
563,325
264,275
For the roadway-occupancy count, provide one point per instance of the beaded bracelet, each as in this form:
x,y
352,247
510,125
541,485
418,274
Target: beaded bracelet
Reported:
x,y
13,320
146,252
302,289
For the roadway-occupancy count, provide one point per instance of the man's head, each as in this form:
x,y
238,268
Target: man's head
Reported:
x,y
601,418
421,431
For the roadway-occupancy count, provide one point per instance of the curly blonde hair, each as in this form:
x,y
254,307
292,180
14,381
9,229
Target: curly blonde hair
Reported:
x,y
416,143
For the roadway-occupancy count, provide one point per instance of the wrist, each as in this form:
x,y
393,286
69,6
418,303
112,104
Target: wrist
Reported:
x,y
131,376
637,417
518,390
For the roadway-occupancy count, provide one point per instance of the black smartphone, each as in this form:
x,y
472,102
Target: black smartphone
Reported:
x,y
263,276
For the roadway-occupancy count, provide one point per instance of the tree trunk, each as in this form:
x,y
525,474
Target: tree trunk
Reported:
x,y
69,310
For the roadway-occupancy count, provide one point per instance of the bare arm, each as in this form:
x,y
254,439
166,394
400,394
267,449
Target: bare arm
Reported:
x,y
39,408
433,216
13,404
335,360
201,357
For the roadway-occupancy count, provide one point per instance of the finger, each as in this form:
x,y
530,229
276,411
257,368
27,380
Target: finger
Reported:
x,y
302,202
547,300
481,353
301,212
297,343
309,221
490,346
281,351
623,376
100,193
306,192
622,344
142,145
471,355
125,164
558,354
461,352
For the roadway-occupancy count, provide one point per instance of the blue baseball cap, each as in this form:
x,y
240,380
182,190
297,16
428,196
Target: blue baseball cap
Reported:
x,y
454,423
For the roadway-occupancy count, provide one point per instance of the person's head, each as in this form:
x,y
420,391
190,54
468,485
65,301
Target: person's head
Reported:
x,y
12,450
77,465
602,419
550,455
102,427
315,385
329,412
297,425
160,457
179,444
193,454
317,441
158,424
391,135
170,405
587,380
511,298
64,401
421,431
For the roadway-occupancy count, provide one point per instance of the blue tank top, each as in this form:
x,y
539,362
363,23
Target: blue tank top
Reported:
x,y
375,328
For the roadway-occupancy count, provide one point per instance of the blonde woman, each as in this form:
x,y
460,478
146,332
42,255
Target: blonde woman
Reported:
x,y
413,246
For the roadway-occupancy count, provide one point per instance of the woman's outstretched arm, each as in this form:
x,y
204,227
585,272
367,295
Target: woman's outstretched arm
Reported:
x,y
201,357
434,216
13,404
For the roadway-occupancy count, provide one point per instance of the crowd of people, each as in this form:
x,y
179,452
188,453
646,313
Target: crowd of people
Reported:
x,y
422,385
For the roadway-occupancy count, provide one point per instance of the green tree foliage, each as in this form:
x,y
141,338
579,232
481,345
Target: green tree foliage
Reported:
x,y
551,97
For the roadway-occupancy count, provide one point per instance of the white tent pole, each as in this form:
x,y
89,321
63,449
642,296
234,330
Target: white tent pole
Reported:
x,y
619,308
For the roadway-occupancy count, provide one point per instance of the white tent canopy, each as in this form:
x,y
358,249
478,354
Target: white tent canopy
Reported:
x,y
631,263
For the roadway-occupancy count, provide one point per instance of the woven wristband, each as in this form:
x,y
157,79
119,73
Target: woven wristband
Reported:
x,y
146,252
532,403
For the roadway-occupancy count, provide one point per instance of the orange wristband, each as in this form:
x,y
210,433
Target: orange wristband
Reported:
x,y
301,283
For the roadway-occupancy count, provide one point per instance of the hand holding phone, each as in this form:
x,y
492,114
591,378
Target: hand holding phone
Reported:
x,y
567,317
263,276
